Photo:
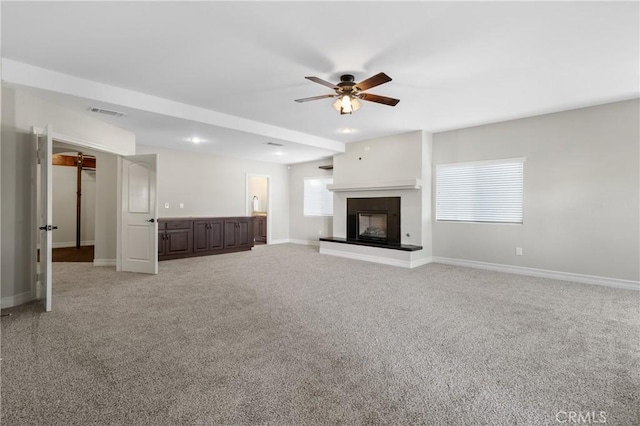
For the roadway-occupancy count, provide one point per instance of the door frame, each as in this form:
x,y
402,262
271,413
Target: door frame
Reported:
x,y
269,203
66,139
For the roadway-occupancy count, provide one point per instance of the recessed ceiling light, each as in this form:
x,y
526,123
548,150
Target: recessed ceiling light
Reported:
x,y
195,140
278,153
346,130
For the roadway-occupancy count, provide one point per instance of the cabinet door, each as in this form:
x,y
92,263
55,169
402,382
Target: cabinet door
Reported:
x,y
244,233
263,233
231,233
216,241
256,228
260,229
179,241
161,243
201,235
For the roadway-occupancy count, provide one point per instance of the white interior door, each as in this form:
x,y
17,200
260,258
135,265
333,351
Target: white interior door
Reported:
x,y
139,226
45,281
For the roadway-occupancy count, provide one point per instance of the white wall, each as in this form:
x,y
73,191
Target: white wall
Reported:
x,y
390,158
21,111
215,186
427,195
581,192
64,206
307,229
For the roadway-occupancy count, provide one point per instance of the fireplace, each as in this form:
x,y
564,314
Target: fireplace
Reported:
x,y
372,226
375,220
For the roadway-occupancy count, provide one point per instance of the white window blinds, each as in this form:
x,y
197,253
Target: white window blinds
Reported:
x,y
318,200
480,191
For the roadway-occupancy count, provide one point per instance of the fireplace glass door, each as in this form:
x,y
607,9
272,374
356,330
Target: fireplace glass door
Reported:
x,y
372,226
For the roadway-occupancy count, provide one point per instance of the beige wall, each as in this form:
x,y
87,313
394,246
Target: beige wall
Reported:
x,y
64,206
258,186
106,206
581,192
16,155
307,229
210,185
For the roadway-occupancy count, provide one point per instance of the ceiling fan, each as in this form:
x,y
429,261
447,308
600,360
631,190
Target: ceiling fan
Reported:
x,y
348,92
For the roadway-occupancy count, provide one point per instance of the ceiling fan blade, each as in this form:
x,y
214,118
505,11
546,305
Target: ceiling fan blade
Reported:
x,y
315,98
379,99
374,81
323,82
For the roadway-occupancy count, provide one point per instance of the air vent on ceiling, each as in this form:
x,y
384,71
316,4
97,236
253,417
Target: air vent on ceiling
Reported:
x,y
107,112
274,144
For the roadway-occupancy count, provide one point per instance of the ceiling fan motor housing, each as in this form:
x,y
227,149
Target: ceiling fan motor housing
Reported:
x,y
347,82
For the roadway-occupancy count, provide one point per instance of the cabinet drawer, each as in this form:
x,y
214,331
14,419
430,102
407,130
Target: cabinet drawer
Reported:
x,y
179,224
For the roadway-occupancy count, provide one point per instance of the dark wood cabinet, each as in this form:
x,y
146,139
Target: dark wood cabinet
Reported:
x,y
238,232
260,229
207,235
175,238
203,236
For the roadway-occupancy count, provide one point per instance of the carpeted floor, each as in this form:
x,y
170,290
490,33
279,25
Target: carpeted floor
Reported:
x,y
285,336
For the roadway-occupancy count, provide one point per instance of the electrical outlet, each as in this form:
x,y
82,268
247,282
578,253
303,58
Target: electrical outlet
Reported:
x,y
319,231
182,205
518,251
166,205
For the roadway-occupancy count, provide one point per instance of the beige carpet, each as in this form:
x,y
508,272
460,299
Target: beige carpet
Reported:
x,y
285,336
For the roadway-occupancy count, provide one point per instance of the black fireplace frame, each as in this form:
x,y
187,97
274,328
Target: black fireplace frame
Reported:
x,y
387,205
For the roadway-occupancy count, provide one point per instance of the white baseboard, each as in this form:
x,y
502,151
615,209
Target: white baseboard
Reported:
x,y
17,299
543,273
104,262
280,241
305,242
420,262
72,244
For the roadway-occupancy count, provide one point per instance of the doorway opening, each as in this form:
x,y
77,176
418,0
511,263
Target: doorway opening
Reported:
x,y
258,202
74,204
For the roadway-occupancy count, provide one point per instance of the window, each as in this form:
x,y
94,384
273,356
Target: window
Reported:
x,y
318,200
488,191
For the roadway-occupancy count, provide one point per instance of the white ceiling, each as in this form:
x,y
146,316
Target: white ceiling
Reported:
x,y
453,64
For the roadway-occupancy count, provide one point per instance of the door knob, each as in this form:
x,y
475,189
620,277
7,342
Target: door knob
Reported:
x,y
151,220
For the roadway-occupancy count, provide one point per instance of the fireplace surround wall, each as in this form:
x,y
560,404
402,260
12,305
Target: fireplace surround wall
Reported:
x,y
389,206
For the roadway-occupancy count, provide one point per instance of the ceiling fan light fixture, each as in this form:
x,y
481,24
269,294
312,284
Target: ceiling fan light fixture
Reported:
x,y
346,104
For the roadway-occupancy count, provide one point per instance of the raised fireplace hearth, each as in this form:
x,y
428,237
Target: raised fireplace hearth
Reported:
x,y
375,220
374,234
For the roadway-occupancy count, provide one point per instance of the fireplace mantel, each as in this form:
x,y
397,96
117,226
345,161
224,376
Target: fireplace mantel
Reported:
x,y
408,184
